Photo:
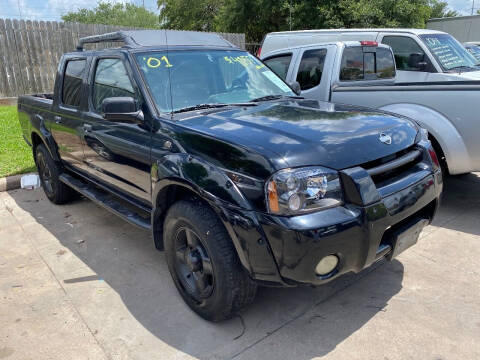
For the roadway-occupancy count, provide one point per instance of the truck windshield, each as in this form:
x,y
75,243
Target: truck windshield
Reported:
x,y
450,53
183,79
474,50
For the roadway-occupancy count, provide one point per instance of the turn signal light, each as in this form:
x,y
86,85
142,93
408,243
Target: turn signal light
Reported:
x,y
273,197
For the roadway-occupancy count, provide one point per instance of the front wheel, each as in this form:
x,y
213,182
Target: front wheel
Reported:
x,y
203,262
49,172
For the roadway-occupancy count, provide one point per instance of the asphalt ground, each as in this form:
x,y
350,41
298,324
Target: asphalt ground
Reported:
x,y
76,282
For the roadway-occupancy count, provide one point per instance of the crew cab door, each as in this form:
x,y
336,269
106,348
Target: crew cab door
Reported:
x,y
412,58
307,68
359,72
281,63
117,152
65,123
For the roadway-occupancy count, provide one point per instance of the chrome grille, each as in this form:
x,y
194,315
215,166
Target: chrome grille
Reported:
x,y
392,166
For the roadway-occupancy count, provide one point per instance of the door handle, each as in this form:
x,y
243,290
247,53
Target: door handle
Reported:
x,y
58,119
87,128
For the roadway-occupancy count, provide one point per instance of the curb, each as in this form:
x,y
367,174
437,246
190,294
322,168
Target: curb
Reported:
x,y
11,182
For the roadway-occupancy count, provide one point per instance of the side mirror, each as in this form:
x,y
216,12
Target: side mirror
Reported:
x,y
296,87
417,61
121,109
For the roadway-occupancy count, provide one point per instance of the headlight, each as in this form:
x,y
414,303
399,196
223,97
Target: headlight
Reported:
x,y
297,191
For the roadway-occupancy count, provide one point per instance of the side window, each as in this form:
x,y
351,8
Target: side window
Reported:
x,y
279,64
406,51
111,80
368,65
385,64
352,64
311,68
72,82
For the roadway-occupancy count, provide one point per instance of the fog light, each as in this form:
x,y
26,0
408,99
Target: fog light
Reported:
x,y
326,265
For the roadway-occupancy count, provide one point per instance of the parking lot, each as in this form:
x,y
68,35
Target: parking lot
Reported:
x,y
78,283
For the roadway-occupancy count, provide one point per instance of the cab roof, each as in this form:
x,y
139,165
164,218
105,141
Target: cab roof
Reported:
x,y
348,43
160,38
390,30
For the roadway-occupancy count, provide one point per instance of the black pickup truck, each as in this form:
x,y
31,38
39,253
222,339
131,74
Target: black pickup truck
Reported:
x,y
240,180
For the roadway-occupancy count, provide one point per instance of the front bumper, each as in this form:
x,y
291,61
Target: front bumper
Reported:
x,y
379,206
358,235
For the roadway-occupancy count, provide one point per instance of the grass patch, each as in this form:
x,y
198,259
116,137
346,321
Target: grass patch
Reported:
x,y
15,155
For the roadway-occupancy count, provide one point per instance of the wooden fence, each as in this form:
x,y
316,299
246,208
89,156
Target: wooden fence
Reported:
x,y
30,50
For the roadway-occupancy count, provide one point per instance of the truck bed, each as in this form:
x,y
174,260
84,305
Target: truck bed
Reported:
x,y
43,100
43,96
32,109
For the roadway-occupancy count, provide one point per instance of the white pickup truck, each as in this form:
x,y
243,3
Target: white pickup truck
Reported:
x,y
363,73
421,55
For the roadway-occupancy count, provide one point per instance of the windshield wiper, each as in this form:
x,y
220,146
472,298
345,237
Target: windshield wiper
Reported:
x,y
275,97
266,98
464,67
210,106
200,107
220,105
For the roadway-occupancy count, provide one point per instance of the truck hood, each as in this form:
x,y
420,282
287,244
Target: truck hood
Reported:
x,y
459,76
471,75
308,132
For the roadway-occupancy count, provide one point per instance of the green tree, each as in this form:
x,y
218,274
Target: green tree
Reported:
x,y
115,14
361,13
440,10
253,17
257,17
311,14
198,15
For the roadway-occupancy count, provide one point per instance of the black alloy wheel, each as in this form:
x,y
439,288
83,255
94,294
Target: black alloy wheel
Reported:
x,y
45,174
203,261
49,172
193,265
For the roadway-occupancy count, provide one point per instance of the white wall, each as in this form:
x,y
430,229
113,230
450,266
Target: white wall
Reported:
x,y
463,28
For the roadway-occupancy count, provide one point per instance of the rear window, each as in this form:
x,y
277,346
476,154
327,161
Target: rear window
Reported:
x,y
370,65
279,64
311,68
72,82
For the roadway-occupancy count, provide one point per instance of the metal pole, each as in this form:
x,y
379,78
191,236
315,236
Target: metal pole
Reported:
x,y
290,15
473,5
19,9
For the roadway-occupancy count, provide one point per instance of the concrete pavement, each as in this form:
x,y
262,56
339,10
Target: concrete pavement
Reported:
x,y
78,283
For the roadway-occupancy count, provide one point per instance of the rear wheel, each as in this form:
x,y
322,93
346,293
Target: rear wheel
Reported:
x,y
203,262
49,172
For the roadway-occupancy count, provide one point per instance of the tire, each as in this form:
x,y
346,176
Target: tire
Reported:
x,y
441,156
49,172
203,262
